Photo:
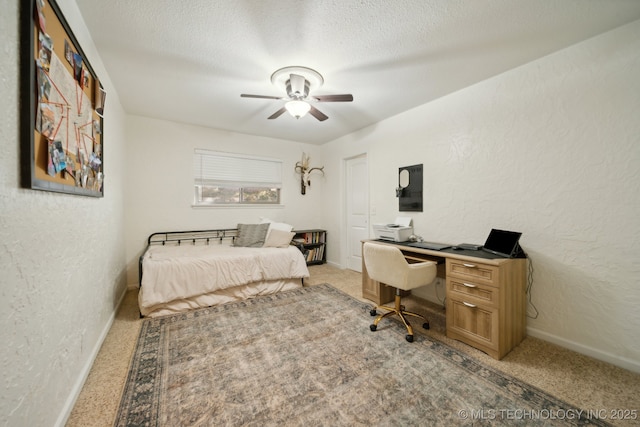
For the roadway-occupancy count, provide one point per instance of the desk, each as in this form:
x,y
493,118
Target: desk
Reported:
x,y
485,297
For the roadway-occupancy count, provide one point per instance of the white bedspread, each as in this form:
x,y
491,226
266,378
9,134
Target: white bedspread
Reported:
x,y
173,273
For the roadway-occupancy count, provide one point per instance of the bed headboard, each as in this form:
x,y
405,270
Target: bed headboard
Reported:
x,y
187,238
192,237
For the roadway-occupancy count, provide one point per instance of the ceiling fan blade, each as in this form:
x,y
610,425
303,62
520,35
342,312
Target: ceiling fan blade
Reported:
x,y
318,114
277,113
334,98
244,95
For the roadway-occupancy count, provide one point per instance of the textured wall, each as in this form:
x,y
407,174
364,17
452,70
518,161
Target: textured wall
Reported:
x,y
160,184
551,149
61,257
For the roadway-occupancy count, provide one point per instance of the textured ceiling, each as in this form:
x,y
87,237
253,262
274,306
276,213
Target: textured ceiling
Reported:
x,y
189,61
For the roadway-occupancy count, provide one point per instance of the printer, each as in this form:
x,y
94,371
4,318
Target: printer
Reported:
x,y
399,231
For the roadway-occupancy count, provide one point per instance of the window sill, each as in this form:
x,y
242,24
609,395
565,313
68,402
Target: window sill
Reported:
x,y
238,206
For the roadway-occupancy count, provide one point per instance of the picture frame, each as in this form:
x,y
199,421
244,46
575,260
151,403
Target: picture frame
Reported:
x,y
61,106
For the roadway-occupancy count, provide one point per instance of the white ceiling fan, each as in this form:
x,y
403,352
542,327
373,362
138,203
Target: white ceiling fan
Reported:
x,y
298,82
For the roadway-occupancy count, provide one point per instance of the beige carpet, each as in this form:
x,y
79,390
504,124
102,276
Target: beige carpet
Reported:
x,y
577,379
306,357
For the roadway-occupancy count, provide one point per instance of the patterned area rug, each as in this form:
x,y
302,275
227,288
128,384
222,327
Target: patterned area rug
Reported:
x,y
307,357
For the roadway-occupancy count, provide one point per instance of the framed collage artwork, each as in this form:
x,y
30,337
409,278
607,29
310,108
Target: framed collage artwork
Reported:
x,y
61,117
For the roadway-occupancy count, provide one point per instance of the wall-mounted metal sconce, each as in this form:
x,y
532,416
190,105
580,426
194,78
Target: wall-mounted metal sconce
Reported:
x,y
403,181
303,168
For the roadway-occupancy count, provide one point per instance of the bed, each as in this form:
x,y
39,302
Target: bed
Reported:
x,y
185,270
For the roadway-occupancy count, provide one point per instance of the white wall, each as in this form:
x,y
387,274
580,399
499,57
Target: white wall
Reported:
x,y
160,183
62,257
551,149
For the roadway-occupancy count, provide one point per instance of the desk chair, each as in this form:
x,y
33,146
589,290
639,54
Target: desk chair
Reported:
x,y
387,265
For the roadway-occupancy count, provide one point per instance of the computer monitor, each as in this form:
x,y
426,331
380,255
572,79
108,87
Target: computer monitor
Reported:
x,y
504,243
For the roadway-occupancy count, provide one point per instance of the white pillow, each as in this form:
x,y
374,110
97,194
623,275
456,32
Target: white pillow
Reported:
x,y
278,238
276,226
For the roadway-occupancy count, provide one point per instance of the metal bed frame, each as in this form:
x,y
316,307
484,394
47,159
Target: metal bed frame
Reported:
x,y
187,237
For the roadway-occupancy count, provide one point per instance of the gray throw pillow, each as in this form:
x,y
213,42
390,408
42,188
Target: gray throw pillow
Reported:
x,y
251,235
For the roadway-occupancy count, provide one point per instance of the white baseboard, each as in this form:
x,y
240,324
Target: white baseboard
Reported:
x,y
335,264
84,373
623,362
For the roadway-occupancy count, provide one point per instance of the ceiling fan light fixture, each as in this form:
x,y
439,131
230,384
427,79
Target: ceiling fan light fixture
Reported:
x,y
297,82
297,108
279,77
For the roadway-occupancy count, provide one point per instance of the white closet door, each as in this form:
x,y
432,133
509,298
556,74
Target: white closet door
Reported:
x,y
357,192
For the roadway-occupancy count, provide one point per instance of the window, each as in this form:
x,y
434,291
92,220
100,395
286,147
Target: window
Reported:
x,y
232,179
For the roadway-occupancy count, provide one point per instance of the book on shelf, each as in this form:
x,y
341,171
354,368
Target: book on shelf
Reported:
x,y
315,254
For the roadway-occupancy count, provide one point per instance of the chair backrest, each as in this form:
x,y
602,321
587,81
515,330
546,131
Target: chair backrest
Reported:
x,y
386,264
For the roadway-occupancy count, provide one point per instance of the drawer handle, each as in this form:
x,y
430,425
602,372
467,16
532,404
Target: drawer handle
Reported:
x,y
469,304
469,265
469,285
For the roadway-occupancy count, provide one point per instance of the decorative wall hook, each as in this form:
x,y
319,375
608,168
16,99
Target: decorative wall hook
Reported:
x,y
303,168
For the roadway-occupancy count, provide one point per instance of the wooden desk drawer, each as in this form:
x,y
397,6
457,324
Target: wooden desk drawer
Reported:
x,y
475,325
473,272
473,292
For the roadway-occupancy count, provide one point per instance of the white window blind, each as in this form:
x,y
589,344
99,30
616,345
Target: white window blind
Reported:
x,y
217,168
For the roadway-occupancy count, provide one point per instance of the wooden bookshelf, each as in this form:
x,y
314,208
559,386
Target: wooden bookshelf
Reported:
x,y
312,243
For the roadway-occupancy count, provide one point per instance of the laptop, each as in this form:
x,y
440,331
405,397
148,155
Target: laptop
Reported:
x,y
503,243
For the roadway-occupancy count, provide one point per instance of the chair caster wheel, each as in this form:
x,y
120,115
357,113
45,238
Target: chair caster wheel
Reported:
x,y
409,338
425,325
373,327
373,312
